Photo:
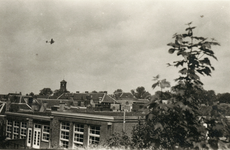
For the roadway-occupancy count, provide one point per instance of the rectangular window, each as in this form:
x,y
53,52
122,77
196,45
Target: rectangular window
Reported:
x,y
36,138
64,138
78,135
9,129
23,130
29,137
38,126
94,135
46,133
16,130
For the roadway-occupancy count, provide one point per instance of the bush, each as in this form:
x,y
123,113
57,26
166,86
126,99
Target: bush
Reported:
x,y
119,141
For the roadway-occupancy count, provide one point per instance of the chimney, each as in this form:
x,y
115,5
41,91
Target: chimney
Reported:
x,y
8,102
33,106
100,99
61,106
77,91
45,105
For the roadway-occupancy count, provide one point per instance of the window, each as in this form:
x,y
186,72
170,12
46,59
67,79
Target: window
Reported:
x,y
46,133
78,136
37,126
9,129
23,130
29,137
64,139
36,138
16,130
94,135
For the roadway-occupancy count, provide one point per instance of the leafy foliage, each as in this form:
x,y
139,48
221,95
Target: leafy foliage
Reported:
x,y
179,123
224,98
117,93
141,93
160,95
119,140
31,94
161,83
46,91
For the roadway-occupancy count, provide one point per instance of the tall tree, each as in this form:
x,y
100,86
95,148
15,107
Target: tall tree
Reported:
x,y
141,93
117,93
46,91
31,94
179,123
206,97
224,98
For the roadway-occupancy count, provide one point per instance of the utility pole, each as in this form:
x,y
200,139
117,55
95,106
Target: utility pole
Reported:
x,y
124,120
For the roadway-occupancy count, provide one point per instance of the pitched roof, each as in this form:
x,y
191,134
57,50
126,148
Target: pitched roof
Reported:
x,y
125,96
66,96
94,96
63,81
131,101
2,104
18,106
52,102
79,96
108,99
141,101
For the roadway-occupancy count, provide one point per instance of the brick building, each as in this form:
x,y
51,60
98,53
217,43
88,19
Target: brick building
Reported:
x,y
65,129
69,121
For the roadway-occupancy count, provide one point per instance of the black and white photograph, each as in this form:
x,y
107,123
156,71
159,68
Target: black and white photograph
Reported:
x,y
115,74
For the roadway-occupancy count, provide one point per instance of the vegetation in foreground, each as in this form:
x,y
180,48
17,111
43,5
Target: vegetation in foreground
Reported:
x,y
180,124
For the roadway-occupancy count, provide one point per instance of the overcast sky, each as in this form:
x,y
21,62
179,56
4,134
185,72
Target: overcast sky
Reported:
x,y
104,45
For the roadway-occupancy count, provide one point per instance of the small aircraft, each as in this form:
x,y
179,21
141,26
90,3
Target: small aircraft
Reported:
x,y
51,41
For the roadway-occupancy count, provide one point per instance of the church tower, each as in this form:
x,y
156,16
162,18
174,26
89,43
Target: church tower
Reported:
x,y
63,86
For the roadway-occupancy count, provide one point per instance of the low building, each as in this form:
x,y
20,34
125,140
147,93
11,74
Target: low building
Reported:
x,y
65,129
57,123
68,121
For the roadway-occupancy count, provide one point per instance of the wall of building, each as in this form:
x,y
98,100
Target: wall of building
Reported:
x,y
104,125
105,129
2,125
55,133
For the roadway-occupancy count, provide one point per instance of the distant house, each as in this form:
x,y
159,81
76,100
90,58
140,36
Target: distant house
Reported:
x,y
99,101
3,97
140,105
128,101
70,121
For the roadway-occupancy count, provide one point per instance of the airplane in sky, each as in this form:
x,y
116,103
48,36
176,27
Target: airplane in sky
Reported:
x,y
51,41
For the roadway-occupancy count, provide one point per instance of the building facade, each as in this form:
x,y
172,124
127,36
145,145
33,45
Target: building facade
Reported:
x,y
68,121
58,129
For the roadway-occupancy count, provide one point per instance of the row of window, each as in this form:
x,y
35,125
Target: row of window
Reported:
x,y
78,134
16,130
14,126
